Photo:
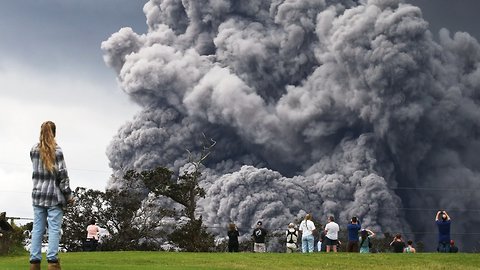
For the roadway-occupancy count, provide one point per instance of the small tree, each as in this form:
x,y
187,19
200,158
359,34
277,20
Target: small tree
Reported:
x,y
185,191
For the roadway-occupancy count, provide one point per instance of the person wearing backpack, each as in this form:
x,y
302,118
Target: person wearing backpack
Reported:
x,y
364,239
292,236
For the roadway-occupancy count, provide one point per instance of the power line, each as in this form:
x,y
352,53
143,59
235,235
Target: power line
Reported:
x,y
429,209
431,188
16,218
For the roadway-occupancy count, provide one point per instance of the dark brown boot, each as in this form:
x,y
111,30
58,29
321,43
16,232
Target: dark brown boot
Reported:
x,y
54,266
35,266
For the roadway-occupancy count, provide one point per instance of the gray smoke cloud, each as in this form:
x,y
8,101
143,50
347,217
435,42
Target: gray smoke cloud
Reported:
x,y
333,107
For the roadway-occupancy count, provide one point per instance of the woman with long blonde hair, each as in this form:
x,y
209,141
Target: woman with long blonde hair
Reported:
x,y
307,227
50,193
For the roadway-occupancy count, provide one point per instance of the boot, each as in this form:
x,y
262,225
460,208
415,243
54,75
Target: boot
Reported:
x,y
35,266
54,265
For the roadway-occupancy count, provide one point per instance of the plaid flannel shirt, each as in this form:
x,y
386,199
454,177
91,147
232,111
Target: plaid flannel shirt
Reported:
x,y
49,188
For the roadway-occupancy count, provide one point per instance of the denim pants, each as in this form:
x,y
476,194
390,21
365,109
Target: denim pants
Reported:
x,y
443,247
307,243
41,216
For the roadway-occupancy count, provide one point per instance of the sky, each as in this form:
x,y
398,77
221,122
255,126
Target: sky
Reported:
x,y
51,68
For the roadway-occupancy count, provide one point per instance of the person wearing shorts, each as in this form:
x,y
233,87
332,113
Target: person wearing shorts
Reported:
x,y
331,237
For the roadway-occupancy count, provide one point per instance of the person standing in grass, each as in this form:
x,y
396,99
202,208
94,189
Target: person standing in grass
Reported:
x,y
51,192
93,232
353,229
331,237
232,238
292,236
258,236
321,239
364,239
306,229
397,243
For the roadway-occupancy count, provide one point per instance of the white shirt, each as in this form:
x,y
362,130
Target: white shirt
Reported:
x,y
332,229
306,227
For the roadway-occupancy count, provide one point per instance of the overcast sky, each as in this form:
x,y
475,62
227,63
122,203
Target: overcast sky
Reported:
x,y
51,68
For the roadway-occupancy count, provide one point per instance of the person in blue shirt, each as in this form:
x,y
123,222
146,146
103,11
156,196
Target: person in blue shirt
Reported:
x,y
442,219
353,228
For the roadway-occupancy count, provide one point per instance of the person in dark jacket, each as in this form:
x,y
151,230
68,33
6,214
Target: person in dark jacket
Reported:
x,y
442,219
232,238
258,236
398,244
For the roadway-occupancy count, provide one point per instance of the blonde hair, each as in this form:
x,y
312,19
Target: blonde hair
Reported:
x,y
231,227
47,145
308,217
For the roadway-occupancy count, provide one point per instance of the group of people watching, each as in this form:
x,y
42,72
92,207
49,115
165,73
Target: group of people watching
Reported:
x,y
329,236
359,240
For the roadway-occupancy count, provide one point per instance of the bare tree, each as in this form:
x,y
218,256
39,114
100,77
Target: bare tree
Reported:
x,y
186,191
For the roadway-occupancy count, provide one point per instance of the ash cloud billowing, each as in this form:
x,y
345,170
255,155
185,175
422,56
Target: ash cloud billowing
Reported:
x,y
331,107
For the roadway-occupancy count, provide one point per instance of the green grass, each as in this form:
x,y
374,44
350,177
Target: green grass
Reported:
x,y
172,260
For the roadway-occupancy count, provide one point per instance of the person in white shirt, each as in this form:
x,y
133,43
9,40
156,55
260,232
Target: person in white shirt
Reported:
x,y
331,237
306,229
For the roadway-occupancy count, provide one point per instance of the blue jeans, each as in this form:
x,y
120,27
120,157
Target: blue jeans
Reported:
x,y
41,216
307,243
443,247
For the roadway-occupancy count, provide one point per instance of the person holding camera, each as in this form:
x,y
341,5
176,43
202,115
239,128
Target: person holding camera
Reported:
x,y
233,235
442,219
365,240
397,243
353,228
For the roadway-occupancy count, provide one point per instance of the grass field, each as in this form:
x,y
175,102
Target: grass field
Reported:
x,y
171,260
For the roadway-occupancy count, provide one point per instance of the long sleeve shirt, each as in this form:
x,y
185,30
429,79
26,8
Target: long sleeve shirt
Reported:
x,y
49,188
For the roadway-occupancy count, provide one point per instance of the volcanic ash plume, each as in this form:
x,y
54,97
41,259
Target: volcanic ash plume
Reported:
x,y
332,107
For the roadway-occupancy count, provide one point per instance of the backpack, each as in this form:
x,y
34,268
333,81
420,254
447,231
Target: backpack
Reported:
x,y
291,234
